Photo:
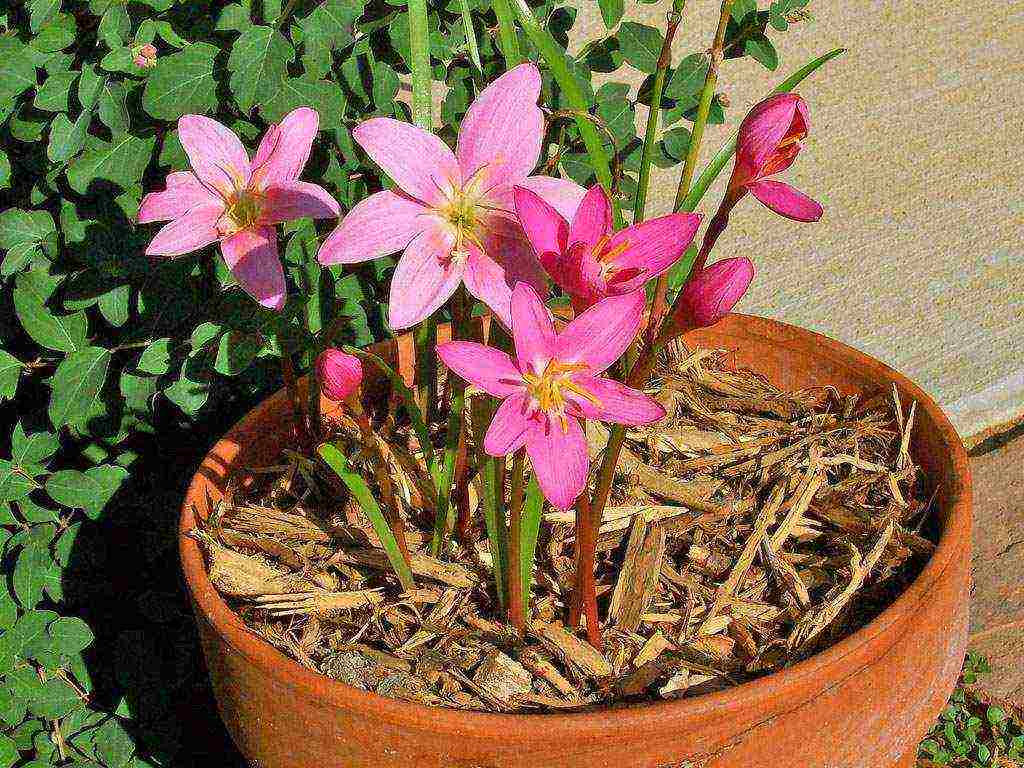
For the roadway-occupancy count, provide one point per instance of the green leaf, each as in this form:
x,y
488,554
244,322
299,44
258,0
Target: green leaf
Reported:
x,y
89,490
611,11
529,529
5,170
258,64
13,483
676,142
761,50
40,12
182,83
236,351
113,107
640,45
24,235
10,375
53,94
121,161
337,461
64,333
8,752
114,745
17,71
32,448
740,9
688,78
33,561
70,635
77,385
156,358
54,699
57,34
14,641
323,96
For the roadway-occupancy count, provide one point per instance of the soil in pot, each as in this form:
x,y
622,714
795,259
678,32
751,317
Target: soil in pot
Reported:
x,y
749,529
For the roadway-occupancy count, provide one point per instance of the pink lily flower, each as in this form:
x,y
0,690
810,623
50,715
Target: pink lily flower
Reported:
x,y
588,259
553,382
340,374
452,212
711,293
770,138
228,199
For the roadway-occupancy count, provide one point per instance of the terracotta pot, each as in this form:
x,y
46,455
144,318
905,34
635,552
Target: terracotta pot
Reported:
x,y
864,703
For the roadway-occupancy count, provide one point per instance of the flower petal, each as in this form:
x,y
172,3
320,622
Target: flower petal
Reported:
x,y
544,226
184,191
217,156
378,225
284,148
593,219
251,255
424,279
617,403
418,161
488,368
290,200
506,259
766,125
503,128
559,459
189,232
650,248
532,329
564,195
785,200
507,432
600,335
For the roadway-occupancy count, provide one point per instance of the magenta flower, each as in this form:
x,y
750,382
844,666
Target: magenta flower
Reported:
x,y
553,382
769,140
711,293
340,374
452,212
588,259
226,198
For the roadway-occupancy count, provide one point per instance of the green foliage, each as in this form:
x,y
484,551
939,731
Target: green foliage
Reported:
x,y
973,731
123,369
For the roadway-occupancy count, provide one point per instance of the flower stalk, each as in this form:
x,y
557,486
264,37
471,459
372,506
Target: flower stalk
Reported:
x,y
516,611
508,42
419,43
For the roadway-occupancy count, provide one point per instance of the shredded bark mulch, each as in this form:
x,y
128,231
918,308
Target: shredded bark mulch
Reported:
x,y
749,529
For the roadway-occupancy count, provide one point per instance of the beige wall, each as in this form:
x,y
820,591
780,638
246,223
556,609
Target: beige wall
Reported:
x,y
916,154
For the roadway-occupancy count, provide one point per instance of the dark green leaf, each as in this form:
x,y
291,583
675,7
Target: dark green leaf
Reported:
x,y
89,490
121,161
77,384
53,94
611,11
33,561
640,45
64,333
10,374
17,72
182,83
70,635
258,63
14,641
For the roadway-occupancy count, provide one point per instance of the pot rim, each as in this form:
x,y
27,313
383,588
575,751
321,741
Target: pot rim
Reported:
x,y
602,723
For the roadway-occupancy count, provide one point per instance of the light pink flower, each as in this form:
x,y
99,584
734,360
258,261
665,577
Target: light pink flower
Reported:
x,y
145,56
711,293
590,260
340,374
452,212
553,382
226,198
770,138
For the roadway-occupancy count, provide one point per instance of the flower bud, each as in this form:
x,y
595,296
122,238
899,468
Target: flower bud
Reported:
x,y
340,374
146,56
711,294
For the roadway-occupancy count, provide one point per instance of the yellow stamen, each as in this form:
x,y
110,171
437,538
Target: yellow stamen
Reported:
x,y
549,389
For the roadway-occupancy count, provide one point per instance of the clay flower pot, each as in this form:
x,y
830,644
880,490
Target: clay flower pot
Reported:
x,y
863,703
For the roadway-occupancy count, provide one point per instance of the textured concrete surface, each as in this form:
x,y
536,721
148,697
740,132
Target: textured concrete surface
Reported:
x,y
914,152
997,621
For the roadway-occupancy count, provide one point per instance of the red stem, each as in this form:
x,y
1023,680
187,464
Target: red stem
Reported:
x,y
584,598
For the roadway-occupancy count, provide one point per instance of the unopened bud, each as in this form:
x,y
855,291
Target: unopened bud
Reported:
x,y
711,294
340,374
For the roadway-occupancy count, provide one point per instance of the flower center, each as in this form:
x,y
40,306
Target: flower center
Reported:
x,y
549,389
606,258
243,210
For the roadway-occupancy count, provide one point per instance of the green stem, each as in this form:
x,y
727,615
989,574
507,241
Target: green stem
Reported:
x,y
704,106
471,47
657,91
426,368
516,614
557,62
492,500
507,39
419,43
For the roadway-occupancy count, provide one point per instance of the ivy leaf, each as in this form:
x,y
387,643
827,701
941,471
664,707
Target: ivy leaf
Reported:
x,y
156,358
70,635
32,448
611,11
258,63
323,96
33,561
77,385
640,45
53,94
182,83
63,333
761,50
688,78
14,641
89,491
24,234
17,70
10,374
121,161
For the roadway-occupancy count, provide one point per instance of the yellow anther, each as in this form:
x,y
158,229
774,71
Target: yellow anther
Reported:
x,y
550,387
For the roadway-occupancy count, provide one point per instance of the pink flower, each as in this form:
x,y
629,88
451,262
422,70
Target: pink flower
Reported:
x,y
711,293
588,259
769,140
452,212
226,198
553,382
340,374
146,56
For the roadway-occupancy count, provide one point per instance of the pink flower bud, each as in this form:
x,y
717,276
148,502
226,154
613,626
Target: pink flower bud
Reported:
x,y
145,56
711,294
340,374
